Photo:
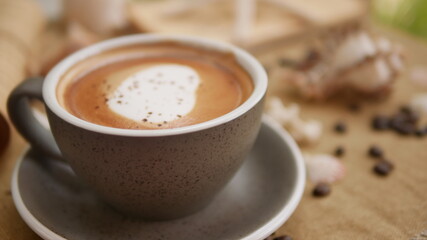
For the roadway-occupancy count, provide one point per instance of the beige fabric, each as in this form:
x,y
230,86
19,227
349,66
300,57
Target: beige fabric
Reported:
x,y
20,24
361,206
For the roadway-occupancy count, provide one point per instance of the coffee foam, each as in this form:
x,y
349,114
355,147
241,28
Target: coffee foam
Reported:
x,y
158,94
98,89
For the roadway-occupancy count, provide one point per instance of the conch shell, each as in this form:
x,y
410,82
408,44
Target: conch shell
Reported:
x,y
352,58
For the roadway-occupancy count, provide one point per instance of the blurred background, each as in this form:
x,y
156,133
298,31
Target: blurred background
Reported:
x,y
407,15
331,63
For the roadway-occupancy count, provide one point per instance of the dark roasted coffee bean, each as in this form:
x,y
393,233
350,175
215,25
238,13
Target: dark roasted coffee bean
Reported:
x,y
380,122
404,122
354,107
339,151
284,237
413,117
340,127
383,167
409,114
420,132
406,109
396,121
405,129
321,189
375,151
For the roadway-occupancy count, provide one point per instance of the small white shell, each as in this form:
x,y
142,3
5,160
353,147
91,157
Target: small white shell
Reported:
x,y
324,168
303,131
280,113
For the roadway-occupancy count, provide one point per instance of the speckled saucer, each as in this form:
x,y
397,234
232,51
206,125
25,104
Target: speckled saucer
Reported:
x,y
258,200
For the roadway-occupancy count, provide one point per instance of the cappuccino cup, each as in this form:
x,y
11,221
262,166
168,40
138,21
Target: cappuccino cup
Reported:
x,y
155,125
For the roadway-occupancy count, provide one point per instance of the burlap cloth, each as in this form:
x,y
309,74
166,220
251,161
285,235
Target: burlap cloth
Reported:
x,y
361,206
21,22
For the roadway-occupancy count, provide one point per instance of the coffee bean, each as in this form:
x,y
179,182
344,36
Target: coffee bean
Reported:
x,y
383,167
354,107
409,115
340,127
284,237
414,117
321,189
404,122
405,109
380,122
375,151
405,129
396,121
339,151
420,132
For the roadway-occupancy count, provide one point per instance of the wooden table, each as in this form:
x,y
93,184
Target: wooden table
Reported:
x,y
361,206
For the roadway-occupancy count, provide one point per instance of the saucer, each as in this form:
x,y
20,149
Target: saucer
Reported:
x,y
258,200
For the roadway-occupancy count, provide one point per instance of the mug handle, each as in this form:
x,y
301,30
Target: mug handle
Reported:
x,y
21,115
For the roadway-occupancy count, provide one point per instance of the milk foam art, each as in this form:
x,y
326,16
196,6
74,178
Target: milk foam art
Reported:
x,y
157,95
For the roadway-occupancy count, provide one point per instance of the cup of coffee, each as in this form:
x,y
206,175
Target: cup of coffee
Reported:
x,y
156,125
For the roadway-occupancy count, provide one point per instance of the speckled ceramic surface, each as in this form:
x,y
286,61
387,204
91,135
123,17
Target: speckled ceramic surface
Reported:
x,y
158,177
263,194
155,174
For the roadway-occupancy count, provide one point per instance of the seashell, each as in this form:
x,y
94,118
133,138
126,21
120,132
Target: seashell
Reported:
x,y
352,58
304,132
280,113
324,168
307,132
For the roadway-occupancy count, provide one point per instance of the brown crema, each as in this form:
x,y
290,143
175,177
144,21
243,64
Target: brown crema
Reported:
x,y
85,89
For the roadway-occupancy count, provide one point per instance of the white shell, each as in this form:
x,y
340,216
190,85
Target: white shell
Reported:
x,y
302,131
324,168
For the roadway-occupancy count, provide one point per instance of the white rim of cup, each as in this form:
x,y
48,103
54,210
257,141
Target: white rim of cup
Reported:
x,y
247,61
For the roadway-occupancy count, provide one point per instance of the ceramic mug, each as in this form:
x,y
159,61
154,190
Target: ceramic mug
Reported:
x,y
154,174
